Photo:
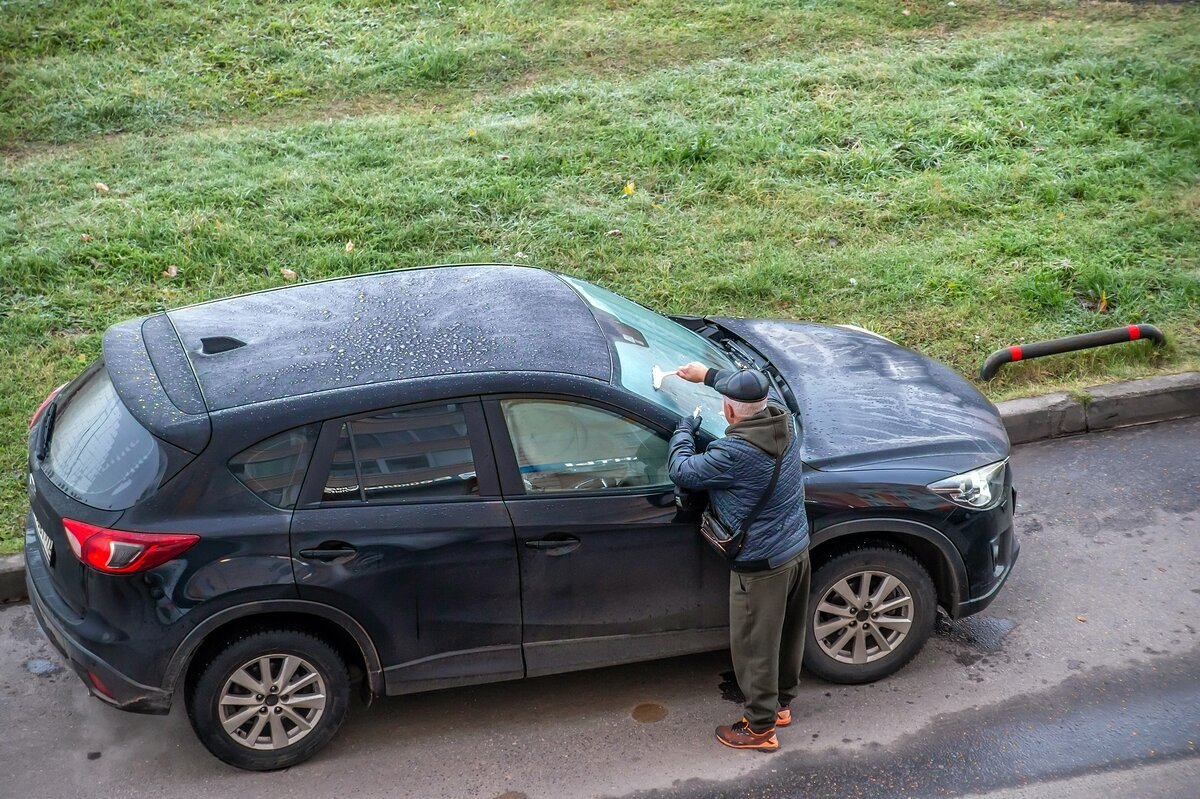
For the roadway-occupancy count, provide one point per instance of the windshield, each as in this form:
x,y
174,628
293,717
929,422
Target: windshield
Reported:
x,y
642,340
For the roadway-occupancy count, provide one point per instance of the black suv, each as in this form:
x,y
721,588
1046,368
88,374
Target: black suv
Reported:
x,y
430,478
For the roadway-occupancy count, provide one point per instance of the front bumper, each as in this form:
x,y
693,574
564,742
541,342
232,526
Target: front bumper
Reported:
x,y
101,679
1004,551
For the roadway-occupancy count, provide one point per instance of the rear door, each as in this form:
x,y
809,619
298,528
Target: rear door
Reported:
x,y
611,570
402,526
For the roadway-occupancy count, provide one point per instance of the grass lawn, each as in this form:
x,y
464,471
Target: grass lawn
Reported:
x,y
958,177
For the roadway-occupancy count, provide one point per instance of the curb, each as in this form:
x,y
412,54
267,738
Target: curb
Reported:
x,y
1156,399
12,578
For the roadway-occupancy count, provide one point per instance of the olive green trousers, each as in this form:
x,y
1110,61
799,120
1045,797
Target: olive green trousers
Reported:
x,y
767,614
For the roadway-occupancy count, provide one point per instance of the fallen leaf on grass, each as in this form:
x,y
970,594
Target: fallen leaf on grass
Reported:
x,y
102,187
349,246
288,274
171,271
502,156
906,12
614,232
630,188
1102,307
1081,618
85,236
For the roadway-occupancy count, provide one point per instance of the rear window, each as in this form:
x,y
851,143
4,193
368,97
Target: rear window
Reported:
x,y
99,454
274,469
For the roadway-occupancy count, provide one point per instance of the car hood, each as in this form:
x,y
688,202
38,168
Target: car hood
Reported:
x,y
865,401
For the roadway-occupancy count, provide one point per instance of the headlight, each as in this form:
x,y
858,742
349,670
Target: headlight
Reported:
x,y
979,489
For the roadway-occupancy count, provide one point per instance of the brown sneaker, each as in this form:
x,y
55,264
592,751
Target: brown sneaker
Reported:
x,y
740,736
783,717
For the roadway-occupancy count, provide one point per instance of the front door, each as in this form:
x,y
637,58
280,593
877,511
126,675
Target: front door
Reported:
x,y
611,570
402,526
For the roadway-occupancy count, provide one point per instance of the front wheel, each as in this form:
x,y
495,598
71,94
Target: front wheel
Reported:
x,y
871,610
269,699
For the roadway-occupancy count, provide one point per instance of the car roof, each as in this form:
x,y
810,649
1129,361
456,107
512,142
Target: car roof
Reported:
x,y
384,326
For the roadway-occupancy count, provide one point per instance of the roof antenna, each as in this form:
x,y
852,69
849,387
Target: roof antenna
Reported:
x,y
214,345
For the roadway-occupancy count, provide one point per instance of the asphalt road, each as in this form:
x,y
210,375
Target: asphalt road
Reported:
x,y
1081,680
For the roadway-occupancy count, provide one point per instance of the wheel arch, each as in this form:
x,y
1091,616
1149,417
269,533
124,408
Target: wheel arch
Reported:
x,y
336,626
928,544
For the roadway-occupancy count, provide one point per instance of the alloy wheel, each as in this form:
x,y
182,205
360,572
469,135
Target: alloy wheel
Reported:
x,y
863,617
272,701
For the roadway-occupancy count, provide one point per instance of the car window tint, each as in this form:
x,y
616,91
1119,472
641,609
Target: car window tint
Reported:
x,y
342,484
99,453
565,446
274,469
415,454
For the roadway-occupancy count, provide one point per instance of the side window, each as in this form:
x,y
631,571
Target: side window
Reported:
x,y
274,469
402,456
565,446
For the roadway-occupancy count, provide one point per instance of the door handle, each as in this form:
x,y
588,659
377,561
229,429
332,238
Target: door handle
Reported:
x,y
329,552
559,545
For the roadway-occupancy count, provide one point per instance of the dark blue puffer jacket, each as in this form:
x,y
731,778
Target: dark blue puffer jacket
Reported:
x,y
735,470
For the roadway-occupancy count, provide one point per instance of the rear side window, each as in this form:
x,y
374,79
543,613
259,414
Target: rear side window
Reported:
x,y
99,454
274,469
404,456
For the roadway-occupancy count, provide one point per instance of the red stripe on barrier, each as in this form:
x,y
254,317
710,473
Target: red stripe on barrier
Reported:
x,y
1134,333
1015,352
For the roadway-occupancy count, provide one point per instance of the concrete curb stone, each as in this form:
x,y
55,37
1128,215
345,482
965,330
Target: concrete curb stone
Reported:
x,y
12,578
1154,399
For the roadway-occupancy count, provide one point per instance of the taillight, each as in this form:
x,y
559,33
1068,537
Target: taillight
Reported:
x,y
33,419
121,552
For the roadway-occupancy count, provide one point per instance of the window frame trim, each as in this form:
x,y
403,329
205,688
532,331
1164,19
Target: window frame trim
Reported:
x,y
513,487
322,459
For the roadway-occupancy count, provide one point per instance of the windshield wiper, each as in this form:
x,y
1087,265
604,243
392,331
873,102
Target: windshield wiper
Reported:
x,y
47,430
745,352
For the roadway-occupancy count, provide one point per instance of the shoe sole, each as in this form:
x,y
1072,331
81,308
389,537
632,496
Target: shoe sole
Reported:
x,y
756,747
779,723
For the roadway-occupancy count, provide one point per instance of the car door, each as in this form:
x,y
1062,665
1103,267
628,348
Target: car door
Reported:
x,y
402,525
611,569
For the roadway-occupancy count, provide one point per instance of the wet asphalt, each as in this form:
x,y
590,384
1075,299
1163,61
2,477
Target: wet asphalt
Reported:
x,y
1081,680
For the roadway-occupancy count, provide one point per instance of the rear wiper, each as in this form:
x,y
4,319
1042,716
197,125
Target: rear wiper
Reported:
x,y
47,430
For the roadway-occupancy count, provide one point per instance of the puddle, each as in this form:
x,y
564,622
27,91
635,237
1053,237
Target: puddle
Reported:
x,y
975,636
42,667
983,633
729,689
649,712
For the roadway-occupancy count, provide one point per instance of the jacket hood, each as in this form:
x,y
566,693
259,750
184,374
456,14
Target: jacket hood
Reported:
x,y
770,430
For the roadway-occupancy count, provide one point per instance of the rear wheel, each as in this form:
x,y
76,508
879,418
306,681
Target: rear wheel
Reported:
x,y
871,611
269,699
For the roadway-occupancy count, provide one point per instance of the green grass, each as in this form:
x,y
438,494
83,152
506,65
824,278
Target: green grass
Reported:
x,y
958,179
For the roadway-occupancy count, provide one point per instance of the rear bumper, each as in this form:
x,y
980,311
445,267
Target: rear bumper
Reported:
x,y
101,679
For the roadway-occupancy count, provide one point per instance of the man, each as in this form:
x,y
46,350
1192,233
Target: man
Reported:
x,y
768,582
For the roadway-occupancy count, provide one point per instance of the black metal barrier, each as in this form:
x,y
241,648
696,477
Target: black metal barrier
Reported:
x,y
1055,346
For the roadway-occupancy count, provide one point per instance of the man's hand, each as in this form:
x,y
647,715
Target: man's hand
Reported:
x,y
690,424
693,372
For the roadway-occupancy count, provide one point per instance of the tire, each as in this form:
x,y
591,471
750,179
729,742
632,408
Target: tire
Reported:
x,y
910,603
223,688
